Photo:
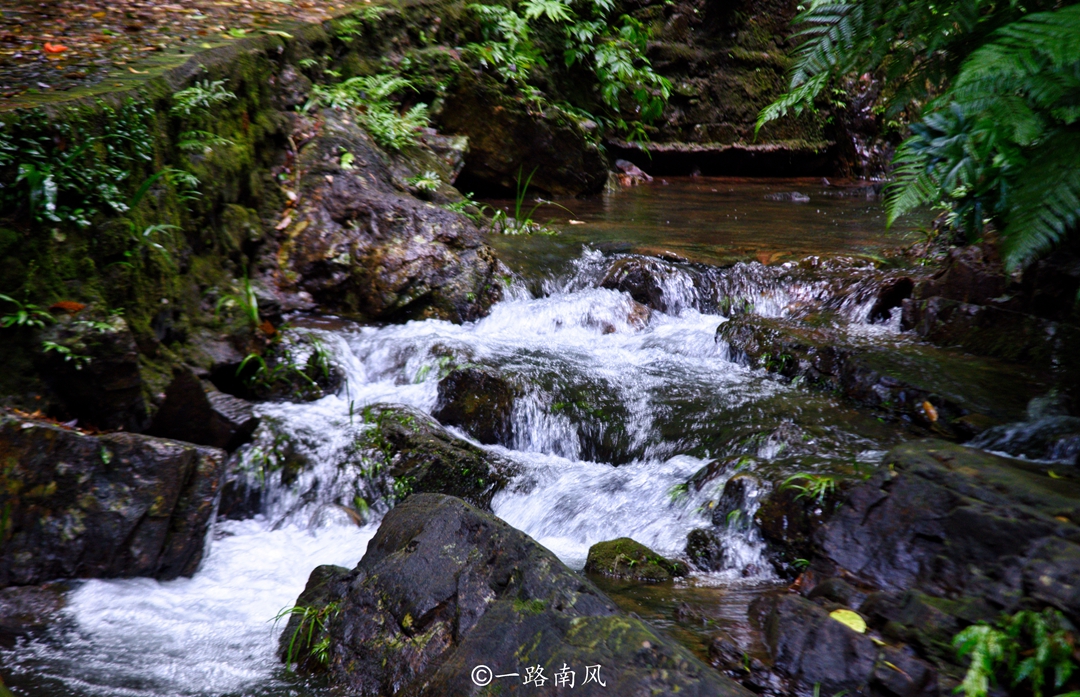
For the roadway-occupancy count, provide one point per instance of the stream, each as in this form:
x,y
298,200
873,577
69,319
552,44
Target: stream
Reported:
x,y
667,398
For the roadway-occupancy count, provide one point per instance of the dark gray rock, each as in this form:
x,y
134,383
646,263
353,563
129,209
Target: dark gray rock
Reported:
x,y
120,504
444,588
950,520
192,414
480,401
810,649
422,456
96,371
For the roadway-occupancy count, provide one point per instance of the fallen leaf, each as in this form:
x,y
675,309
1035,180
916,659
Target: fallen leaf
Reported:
x,y
54,48
267,328
930,411
285,222
577,222
275,32
850,619
138,72
69,306
1053,474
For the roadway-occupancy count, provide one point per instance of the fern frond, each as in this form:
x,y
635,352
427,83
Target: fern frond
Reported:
x,y
1045,204
794,100
912,185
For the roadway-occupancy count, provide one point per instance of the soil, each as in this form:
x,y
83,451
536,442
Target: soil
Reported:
x,y
63,44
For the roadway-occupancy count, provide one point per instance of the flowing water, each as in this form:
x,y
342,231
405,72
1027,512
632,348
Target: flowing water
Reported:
x,y
660,401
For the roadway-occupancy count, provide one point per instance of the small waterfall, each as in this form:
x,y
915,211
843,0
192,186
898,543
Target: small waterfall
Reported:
x,y
621,406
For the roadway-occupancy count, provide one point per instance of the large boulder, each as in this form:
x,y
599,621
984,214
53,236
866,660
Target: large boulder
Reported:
x,y
950,520
194,414
509,140
92,362
816,653
119,504
361,244
445,588
903,378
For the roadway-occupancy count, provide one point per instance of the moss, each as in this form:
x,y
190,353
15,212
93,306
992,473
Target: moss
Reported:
x,y
626,559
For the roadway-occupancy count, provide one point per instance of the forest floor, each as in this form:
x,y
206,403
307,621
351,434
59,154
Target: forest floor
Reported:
x,y
64,44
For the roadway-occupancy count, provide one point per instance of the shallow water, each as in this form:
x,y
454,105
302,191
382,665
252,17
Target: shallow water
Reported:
x,y
665,388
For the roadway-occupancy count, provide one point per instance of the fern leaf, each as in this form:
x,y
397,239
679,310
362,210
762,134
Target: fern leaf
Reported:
x,y
912,185
1045,205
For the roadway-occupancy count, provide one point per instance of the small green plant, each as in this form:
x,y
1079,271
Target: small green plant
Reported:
x,y
69,355
245,300
25,315
678,493
307,63
522,223
201,141
1026,645
476,214
369,97
198,98
814,486
425,181
310,632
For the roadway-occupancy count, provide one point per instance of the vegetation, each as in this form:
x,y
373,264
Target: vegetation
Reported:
x,y
1025,646
613,49
369,97
997,87
521,222
813,486
310,632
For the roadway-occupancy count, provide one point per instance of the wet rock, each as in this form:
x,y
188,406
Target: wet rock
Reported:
x,y
120,504
792,196
789,520
950,520
444,588
817,653
656,284
902,378
630,174
508,141
628,560
424,457
362,246
26,609
480,401
739,496
890,296
192,414
705,549
94,367
1054,438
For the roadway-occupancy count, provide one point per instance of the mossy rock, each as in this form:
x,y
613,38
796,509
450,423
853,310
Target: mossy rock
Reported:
x,y
628,560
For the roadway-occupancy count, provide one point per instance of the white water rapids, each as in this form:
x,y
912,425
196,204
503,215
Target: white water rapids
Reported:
x,y
212,634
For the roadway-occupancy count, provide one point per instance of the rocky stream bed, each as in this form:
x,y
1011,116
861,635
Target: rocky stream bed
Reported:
x,y
344,438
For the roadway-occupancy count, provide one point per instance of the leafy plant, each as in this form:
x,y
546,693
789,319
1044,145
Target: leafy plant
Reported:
x,y
312,624
522,223
25,315
369,97
814,486
615,52
1001,143
200,97
68,354
201,141
245,300
1026,645
465,204
425,181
